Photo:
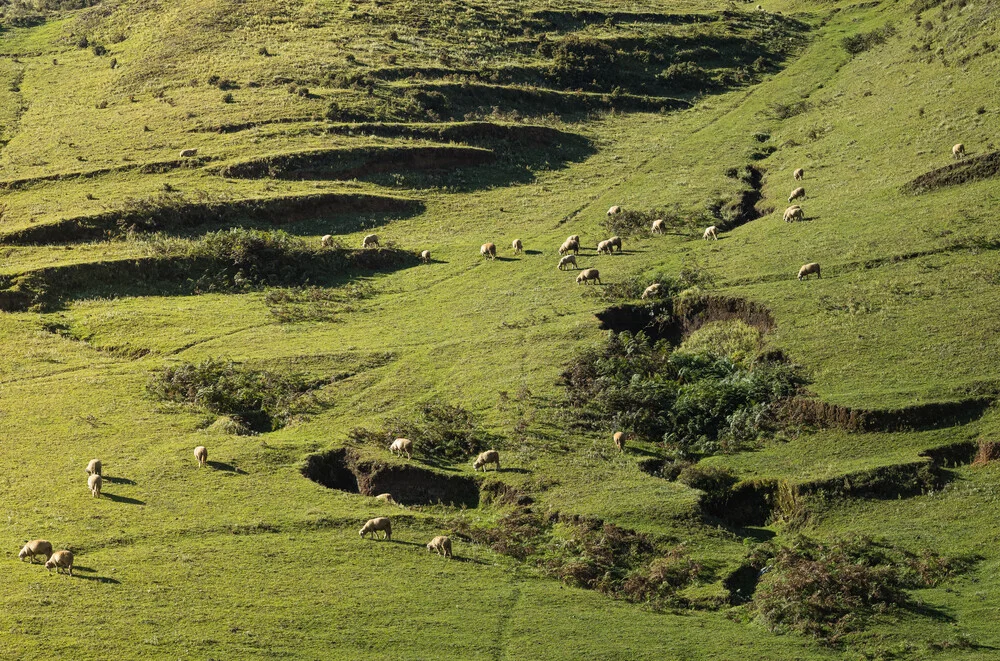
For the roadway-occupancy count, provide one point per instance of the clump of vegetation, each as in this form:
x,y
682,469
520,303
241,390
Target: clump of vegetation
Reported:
x,y
630,222
439,431
582,61
316,303
828,590
695,399
786,110
864,41
686,76
260,400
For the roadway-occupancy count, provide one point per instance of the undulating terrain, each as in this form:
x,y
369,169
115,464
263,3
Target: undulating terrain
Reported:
x,y
809,466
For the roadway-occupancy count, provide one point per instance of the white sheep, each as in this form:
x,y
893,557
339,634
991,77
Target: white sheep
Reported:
x,y
517,246
36,547
425,256
573,237
488,250
710,233
794,213
799,174
797,193
189,153
620,437
604,247
587,275
566,261
808,269
614,210
326,240
201,454
569,246
615,241
374,525
369,241
60,560
659,226
94,467
402,446
958,151
386,498
652,291
94,483
441,544
488,457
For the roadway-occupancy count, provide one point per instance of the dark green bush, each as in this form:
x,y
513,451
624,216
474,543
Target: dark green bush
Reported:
x,y
685,76
863,41
582,61
630,222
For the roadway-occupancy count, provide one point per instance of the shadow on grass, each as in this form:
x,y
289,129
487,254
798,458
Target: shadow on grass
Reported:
x,y
532,252
229,468
122,499
99,579
117,480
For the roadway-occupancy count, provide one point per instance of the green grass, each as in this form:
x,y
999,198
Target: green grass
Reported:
x,y
249,559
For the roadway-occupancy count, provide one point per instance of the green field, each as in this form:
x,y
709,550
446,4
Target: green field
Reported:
x,y
442,126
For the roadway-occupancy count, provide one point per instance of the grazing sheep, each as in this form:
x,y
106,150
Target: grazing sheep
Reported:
x,y
958,151
441,544
402,446
387,498
652,291
797,193
620,438
587,275
369,241
573,237
94,467
488,250
425,256
36,547
326,240
710,233
807,269
488,457
570,246
201,454
516,245
794,213
614,210
799,174
604,247
566,261
659,226
615,241
60,560
374,525
95,482
188,153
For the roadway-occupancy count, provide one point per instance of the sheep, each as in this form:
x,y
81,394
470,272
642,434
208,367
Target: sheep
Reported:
x,y
614,210
386,498
95,482
797,193
570,246
604,247
806,269
587,275
659,226
652,291
799,174
958,151
794,213
488,250
369,241
36,547
94,467
573,237
60,560
441,544
189,153
488,457
566,261
710,233
620,438
402,446
326,240
374,525
517,246
425,256
201,454
615,241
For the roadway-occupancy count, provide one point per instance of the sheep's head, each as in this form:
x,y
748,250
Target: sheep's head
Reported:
x,y
23,554
49,564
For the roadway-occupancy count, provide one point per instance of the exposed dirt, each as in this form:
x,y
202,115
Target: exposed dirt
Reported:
x,y
675,319
801,410
985,166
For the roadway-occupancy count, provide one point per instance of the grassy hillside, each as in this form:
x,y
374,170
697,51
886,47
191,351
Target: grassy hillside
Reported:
x,y
153,303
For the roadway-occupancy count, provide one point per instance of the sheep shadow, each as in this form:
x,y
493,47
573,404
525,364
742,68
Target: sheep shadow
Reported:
x,y
505,259
117,480
100,579
229,468
122,499
517,471
532,252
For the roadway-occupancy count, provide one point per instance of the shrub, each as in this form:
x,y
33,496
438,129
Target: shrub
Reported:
x,y
261,400
630,222
99,50
863,41
228,98
582,61
786,110
685,76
